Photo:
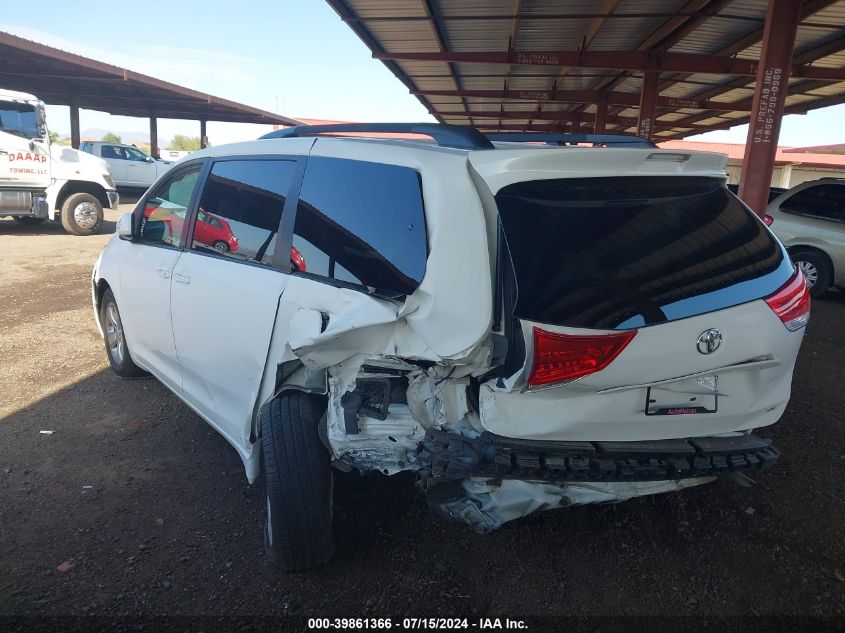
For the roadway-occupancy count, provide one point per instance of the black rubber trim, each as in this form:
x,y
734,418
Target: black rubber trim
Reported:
x,y
445,456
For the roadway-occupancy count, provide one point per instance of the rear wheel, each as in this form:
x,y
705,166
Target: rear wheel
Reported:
x,y
29,220
816,271
298,534
116,348
220,246
82,214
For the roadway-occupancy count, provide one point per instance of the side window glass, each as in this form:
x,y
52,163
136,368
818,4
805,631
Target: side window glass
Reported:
x,y
241,208
820,201
134,154
109,151
362,223
166,208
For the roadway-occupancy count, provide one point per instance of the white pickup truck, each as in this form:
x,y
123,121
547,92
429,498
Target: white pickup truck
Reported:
x,y
129,166
42,181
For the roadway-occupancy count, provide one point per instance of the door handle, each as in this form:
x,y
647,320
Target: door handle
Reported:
x,y
182,279
163,273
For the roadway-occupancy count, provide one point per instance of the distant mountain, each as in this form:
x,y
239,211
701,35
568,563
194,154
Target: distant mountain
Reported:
x,y
96,134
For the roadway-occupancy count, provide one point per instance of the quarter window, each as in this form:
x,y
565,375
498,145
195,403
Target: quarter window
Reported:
x,y
241,208
826,202
166,207
112,151
361,223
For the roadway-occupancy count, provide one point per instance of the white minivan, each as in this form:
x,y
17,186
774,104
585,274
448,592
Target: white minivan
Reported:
x,y
525,326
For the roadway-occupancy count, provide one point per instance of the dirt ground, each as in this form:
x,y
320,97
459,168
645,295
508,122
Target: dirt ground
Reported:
x,y
152,509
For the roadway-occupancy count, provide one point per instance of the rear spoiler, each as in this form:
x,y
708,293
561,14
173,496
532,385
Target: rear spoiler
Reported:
x,y
554,138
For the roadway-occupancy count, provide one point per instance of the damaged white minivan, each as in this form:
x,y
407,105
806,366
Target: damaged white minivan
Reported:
x,y
525,322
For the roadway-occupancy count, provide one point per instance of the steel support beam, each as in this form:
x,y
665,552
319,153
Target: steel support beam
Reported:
x,y
761,146
74,124
154,136
602,118
615,60
648,105
631,99
203,135
600,123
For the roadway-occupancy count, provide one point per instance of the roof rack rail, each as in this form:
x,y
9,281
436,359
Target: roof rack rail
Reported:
x,y
555,138
456,136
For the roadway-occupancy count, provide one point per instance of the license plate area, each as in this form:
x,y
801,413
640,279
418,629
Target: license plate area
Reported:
x,y
684,397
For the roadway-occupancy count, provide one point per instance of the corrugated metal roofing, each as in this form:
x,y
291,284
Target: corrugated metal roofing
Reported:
x,y
724,28
63,78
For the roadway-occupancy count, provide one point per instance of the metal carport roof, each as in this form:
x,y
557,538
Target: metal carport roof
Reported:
x,y
61,78
546,64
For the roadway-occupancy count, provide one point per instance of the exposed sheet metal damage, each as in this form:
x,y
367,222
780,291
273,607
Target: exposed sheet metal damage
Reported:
x,y
384,407
485,504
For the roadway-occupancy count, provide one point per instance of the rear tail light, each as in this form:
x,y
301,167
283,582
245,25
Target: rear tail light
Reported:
x,y
792,302
564,357
767,220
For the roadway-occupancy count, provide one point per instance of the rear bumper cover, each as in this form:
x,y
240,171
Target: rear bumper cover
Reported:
x,y
448,457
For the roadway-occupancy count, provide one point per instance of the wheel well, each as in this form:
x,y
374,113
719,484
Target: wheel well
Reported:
x,y
812,249
82,186
102,286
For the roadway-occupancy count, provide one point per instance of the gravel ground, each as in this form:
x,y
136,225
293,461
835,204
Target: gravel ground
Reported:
x,y
151,510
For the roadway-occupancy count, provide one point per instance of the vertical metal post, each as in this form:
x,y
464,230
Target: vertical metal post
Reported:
x,y
203,136
74,124
154,136
601,119
648,104
782,17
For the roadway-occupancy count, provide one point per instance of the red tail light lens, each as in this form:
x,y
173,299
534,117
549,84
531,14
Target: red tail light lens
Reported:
x,y
767,220
562,357
792,302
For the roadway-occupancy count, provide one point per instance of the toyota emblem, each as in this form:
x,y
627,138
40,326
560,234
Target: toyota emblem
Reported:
x,y
709,341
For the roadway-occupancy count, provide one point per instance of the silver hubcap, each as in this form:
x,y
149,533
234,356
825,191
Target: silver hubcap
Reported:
x,y
221,247
85,215
114,334
811,273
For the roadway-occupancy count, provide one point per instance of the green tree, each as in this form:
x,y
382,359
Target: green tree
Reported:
x,y
54,137
110,138
183,143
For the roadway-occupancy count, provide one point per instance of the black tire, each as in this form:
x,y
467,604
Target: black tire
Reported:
x,y
811,260
29,220
87,222
298,533
220,246
121,363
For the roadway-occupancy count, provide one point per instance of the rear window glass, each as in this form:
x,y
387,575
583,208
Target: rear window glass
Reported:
x,y
625,252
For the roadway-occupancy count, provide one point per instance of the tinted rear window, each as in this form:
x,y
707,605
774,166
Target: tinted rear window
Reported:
x,y
631,251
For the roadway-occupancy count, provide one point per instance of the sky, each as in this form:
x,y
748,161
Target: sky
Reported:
x,y
294,57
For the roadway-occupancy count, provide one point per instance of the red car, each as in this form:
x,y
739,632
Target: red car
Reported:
x,y
215,231
209,229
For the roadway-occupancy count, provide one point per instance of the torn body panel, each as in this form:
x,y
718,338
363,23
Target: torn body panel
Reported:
x,y
485,505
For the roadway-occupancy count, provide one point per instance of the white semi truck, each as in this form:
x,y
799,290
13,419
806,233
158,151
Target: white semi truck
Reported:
x,y
41,181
